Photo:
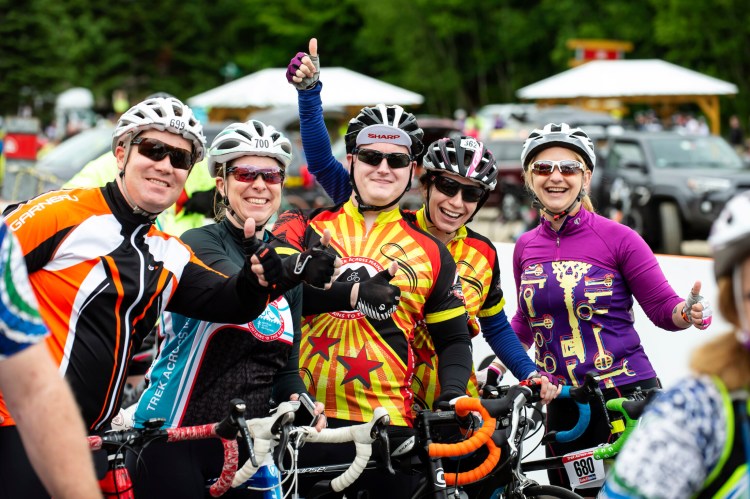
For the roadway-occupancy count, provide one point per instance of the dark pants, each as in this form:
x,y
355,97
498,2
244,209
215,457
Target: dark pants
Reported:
x,y
562,414
377,482
17,477
180,469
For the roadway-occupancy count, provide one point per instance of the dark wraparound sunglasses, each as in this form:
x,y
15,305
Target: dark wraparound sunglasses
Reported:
x,y
450,187
248,174
156,150
567,167
373,158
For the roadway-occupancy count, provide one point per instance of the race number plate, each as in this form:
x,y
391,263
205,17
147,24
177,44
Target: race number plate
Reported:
x,y
583,470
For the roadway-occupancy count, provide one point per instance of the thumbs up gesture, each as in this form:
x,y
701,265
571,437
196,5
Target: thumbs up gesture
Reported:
x,y
377,298
304,69
265,263
697,310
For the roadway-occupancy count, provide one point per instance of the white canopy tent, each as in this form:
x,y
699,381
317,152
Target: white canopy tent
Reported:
x,y
649,81
269,88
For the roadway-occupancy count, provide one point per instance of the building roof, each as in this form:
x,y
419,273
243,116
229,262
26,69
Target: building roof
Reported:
x,y
625,78
268,87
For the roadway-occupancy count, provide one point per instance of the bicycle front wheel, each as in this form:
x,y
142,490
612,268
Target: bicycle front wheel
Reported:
x,y
547,491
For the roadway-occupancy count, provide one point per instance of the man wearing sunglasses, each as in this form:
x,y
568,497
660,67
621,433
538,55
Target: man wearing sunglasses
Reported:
x,y
355,363
103,273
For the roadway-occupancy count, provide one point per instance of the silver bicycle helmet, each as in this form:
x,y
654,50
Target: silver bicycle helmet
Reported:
x,y
730,235
562,135
164,114
381,114
464,156
250,138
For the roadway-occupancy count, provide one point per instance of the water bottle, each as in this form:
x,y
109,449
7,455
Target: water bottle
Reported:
x,y
267,477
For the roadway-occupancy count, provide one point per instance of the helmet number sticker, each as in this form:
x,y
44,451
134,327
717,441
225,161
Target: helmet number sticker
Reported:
x,y
469,143
177,124
262,143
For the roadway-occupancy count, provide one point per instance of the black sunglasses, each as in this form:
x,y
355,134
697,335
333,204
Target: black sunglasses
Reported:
x,y
373,158
156,150
248,174
450,187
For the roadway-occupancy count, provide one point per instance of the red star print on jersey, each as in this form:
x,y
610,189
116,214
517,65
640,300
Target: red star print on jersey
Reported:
x,y
322,345
358,367
423,355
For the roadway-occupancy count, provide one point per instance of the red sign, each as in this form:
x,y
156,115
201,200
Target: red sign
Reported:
x,y
20,146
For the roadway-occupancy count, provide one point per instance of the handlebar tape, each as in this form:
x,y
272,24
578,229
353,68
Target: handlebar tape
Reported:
x,y
584,418
481,437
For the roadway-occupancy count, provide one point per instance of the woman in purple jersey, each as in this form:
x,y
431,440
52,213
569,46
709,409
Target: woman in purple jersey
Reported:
x,y
577,274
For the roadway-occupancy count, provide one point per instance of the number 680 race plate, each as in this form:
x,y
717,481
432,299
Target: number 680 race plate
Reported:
x,y
583,470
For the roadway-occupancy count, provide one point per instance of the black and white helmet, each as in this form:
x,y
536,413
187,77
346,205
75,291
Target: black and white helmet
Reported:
x,y
252,138
381,114
464,156
562,135
165,114
730,235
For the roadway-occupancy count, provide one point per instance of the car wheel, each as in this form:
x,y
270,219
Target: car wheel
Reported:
x,y
671,228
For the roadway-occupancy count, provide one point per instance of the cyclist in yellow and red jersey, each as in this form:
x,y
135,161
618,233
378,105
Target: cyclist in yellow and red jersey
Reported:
x,y
462,166
102,273
354,363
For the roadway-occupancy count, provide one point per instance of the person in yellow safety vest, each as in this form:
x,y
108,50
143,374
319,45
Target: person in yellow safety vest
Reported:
x,y
193,207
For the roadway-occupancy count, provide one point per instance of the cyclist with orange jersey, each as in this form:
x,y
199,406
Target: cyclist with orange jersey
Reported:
x,y
103,274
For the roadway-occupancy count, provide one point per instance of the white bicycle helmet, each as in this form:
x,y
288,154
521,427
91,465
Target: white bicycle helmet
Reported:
x,y
730,235
464,156
164,114
381,114
562,135
252,138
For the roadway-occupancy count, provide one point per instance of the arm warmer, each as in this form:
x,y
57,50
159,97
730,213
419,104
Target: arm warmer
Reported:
x,y
317,145
453,348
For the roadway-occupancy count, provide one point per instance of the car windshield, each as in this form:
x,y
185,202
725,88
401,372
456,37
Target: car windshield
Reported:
x,y
694,152
506,150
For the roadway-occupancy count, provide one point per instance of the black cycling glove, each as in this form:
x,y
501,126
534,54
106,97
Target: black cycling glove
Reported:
x,y
314,266
269,259
378,299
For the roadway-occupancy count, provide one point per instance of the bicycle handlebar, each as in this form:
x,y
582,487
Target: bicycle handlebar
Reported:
x,y
264,431
226,431
514,400
631,410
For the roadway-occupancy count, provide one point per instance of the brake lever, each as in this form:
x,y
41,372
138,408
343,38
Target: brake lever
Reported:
x,y
380,432
283,442
238,418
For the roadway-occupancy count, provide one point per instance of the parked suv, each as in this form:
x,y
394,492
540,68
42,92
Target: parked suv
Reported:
x,y
667,186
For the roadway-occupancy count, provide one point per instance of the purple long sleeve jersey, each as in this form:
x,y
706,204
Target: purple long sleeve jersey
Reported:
x,y
575,298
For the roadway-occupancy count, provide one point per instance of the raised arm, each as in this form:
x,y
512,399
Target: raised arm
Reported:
x,y
303,73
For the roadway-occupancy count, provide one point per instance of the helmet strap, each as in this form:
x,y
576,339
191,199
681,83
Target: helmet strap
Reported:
x,y
137,210
361,205
236,216
557,215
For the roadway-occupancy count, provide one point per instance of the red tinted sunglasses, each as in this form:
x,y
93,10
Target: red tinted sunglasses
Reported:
x,y
248,174
156,150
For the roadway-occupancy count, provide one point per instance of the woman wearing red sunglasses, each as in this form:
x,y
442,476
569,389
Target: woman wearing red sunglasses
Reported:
x,y
577,274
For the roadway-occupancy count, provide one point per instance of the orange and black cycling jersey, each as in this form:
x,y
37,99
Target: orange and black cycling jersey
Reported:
x,y
354,364
479,270
102,276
